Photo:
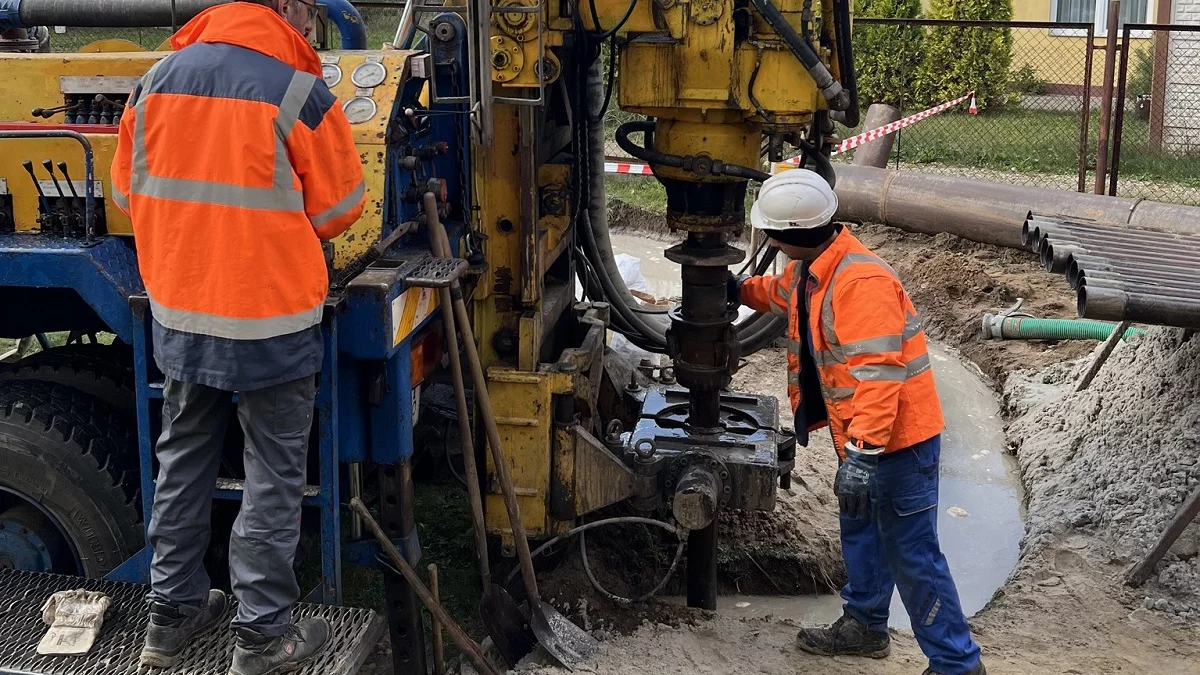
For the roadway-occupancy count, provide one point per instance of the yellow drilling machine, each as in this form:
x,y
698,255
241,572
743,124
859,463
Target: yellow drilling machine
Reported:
x,y
487,118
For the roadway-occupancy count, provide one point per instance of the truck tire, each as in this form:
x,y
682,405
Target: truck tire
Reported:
x,y
75,459
96,370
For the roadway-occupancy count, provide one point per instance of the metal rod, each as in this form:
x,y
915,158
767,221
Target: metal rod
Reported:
x,y
1119,120
702,568
469,646
1105,352
1086,112
355,491
1115,232
1110,59
439,654
1183,517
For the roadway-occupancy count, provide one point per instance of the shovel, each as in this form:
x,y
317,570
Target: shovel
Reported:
x,y
499,613
567,643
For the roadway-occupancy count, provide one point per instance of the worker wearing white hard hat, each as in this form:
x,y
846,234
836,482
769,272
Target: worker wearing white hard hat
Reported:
x,y
858,363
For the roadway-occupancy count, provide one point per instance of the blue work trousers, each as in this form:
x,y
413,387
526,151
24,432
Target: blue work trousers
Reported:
x,y
897,546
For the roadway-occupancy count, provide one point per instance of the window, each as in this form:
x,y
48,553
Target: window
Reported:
x,y
1096,12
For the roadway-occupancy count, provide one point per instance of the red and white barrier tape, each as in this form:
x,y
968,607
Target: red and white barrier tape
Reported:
x,y
639,169
635,168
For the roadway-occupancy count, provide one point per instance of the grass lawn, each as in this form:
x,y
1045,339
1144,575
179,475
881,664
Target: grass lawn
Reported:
x,y
1036,141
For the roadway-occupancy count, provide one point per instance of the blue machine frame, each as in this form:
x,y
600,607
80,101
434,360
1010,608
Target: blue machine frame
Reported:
x,y
101,276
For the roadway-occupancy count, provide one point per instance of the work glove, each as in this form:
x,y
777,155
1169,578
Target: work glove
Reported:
x,y
854,480
735,288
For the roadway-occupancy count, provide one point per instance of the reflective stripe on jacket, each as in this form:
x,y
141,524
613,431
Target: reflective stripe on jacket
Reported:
x,y
234,161
867,342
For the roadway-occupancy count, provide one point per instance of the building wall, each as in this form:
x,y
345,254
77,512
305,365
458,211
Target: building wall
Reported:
x,y
1181,112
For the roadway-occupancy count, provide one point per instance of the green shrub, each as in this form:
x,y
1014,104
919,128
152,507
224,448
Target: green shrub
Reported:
x,y
1141,74
884,55
1025,80
959,59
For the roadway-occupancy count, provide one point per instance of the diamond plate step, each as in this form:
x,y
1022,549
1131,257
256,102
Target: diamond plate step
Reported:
x,y
22,594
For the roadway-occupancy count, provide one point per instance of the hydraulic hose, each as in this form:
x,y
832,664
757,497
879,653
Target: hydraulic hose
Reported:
x,y
845,54
653,157
999,327
830,88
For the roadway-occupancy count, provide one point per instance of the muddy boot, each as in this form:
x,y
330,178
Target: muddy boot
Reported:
x,y
977,670
171,629
846,637
258,655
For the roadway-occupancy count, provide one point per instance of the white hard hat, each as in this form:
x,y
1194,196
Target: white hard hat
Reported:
x,y
798,199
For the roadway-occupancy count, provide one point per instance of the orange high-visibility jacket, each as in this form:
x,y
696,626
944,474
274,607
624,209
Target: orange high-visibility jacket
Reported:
x,y
867,343
234,161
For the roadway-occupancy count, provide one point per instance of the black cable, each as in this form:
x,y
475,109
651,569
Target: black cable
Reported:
x,y
606,34
654,157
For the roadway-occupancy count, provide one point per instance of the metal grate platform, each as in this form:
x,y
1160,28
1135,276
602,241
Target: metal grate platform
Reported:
x,y
22,594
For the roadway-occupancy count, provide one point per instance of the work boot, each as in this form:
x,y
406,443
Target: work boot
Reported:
x,y
172,628
255,654
977,670
846,637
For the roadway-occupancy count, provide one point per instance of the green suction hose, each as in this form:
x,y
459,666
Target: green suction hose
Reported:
x,y
1000,327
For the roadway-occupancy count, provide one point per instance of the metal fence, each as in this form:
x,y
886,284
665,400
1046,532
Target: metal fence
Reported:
x,y
1156,129
1035,122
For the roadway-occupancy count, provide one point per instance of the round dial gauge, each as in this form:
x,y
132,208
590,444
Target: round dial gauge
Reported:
x,y
331,74
368,75
359,110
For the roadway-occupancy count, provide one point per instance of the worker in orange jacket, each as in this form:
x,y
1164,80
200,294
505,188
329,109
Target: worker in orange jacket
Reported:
x,y
857,362
234,162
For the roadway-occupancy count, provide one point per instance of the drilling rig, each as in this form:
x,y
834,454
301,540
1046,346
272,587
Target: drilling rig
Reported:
x,y
497,108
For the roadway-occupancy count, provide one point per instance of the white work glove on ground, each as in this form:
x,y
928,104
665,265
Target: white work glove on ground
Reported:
x,y
74,618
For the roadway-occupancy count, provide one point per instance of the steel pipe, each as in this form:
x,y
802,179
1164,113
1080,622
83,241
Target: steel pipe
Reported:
x,y
1108,229
1057,257
1100,239
1116,305
1176,280
1103,268
990,213
151,14
1184,291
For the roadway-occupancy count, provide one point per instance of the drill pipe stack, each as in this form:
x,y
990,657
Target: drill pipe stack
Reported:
x,y
1121,274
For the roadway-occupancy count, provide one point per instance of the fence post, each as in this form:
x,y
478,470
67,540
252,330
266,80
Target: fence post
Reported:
x,y
1158,78
1110,62
1086,112
1119,120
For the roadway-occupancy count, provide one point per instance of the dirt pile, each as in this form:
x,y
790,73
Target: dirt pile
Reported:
x,y
1115,461
953,281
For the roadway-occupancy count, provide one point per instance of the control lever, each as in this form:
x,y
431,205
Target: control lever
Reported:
x,y
62,212
47,113
72,217
28,166
110,107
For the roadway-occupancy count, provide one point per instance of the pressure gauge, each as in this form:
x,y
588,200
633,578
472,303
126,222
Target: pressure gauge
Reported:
x,y
331,74
359,110
368,75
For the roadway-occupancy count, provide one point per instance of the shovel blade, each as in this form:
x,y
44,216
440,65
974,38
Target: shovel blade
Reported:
x,y
567,643
505,624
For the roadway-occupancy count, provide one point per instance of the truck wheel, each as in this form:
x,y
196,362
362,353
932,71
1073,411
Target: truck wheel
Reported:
x,y
69,499
97,370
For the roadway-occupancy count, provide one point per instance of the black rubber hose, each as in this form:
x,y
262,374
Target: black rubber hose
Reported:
x,y
824,167
830,88
845,54
655,158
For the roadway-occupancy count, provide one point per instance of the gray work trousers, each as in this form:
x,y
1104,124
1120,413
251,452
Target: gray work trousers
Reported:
x,y
262,547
